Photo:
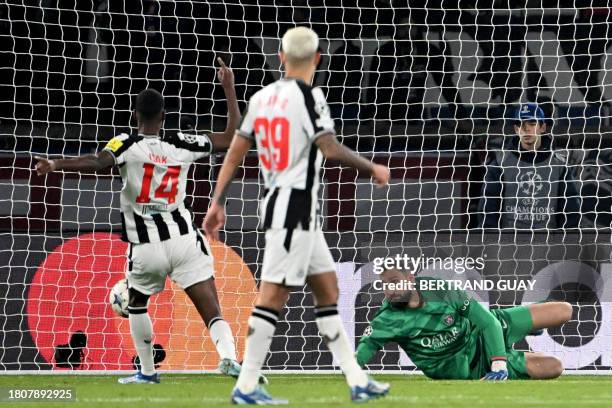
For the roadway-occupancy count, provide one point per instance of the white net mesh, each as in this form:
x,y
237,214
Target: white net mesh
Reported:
x,y
430,89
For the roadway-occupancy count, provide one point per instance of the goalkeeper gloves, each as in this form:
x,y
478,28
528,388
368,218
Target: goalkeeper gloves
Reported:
x,y
499,371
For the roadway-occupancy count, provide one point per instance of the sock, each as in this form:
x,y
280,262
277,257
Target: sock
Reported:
x,y
332,330
142,335
221,334
262,324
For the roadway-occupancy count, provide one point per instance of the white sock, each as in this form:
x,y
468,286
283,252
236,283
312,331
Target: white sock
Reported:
x,y
221,334
262,325
142,335
332,330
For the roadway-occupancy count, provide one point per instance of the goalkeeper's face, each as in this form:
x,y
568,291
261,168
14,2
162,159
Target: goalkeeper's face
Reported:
x,y
397,286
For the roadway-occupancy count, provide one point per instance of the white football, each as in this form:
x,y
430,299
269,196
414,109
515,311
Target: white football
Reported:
x,y
118,298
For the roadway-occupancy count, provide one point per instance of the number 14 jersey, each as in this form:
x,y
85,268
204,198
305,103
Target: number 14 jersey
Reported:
x,y
154,175
284,119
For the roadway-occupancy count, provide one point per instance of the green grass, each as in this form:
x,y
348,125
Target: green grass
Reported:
x,y
321,391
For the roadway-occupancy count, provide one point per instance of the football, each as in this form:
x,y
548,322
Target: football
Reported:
x,y
118,298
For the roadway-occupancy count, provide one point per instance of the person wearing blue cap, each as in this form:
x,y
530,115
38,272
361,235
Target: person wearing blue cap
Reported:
x,y
529,185
530,126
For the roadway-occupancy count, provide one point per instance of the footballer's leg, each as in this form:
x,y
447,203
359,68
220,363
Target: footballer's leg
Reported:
x,y
204,297
193,270
324,285
262,324
284,265
549,314
520,321
542,367
146,275
141,329
206,301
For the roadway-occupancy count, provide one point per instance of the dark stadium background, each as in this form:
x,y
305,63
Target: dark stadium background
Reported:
x,y
48,105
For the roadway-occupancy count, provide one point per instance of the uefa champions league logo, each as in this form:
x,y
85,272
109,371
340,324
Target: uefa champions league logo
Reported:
x,y
530,182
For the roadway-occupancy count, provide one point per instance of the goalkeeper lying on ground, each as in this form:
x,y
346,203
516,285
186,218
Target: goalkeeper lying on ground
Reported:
x,y
448,335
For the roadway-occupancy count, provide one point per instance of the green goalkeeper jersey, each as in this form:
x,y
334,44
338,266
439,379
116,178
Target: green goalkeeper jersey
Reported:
x,y
445,337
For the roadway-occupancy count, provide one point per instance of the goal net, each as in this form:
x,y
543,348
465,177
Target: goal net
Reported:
x,y
432,90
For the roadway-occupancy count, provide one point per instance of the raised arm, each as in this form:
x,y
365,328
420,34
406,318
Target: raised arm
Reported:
x,y
87,163
215,217
222,140
332,150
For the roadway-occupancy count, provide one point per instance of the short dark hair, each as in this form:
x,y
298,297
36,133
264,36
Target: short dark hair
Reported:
x,y
149,104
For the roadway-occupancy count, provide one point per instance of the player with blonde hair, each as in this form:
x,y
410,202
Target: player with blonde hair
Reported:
x,y
290,124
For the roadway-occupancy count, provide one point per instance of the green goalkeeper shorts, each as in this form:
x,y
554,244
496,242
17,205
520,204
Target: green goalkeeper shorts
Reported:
x,y
516,323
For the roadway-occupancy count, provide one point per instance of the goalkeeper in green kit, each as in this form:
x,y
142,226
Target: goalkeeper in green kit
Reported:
x,y
448,335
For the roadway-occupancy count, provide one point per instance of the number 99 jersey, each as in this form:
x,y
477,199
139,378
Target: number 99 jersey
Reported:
x,y
284,119
154,175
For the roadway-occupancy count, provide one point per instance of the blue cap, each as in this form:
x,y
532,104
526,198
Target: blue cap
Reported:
x,y
529,111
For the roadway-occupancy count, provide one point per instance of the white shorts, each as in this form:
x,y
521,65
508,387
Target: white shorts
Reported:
x,y
308,255
186,259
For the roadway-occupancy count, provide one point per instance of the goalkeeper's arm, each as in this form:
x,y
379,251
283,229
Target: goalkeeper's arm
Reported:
x,y
87,163
493,335
369,344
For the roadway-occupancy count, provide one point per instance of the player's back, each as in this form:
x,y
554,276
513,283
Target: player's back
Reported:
x,y
284,119
154,174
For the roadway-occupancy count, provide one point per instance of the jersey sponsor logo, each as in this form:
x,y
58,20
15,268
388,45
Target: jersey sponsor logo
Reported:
x,y
114,144
440,340
153,208
158,158
448,320
465,305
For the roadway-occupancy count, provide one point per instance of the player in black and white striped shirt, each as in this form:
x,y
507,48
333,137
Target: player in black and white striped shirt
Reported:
x,y
289,122
159,228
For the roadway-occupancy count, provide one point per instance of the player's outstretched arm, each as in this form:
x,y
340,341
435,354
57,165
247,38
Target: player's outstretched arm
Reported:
x,y
373,339
332,150
87,163
222,140
215,216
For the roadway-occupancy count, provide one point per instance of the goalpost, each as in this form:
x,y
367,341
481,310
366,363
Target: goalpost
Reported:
x,y
429,89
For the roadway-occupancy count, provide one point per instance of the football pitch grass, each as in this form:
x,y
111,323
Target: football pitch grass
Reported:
x,y
318,391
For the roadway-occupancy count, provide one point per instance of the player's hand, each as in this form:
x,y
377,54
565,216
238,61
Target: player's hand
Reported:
x,y
225,75
499,371
214,220
44,166
380,174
